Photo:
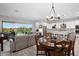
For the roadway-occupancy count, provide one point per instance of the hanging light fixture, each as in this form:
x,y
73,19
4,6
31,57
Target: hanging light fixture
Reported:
x,y
52,16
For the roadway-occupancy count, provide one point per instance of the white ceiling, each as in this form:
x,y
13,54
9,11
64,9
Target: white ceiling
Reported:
x,y
37,11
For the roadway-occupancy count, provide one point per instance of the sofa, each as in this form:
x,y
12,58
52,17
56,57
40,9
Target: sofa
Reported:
x,y
22,42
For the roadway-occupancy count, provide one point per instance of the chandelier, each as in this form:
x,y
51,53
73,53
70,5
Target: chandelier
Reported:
x,y
52,15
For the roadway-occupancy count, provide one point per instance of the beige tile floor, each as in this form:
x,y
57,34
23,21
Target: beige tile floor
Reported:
x,y
31,51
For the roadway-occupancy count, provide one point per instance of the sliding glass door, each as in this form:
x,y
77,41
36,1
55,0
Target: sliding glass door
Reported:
x,y
17,27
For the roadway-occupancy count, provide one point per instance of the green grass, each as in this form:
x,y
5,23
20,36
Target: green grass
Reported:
x,y
18,30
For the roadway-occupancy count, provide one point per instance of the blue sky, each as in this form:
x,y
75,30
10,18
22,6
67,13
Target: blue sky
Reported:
x,y
15,25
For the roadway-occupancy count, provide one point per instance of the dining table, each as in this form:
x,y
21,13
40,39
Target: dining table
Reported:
x,y
50,45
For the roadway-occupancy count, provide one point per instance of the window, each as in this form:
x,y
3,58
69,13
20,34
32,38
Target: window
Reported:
x,y
17,27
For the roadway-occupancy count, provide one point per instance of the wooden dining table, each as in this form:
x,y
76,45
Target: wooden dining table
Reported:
x,y
50,45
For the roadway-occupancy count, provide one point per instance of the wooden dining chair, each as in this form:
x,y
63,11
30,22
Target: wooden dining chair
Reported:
x,y
72,38
48,36
39,47
61,49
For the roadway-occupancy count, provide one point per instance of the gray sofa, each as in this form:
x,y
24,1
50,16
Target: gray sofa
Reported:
x,y
22,42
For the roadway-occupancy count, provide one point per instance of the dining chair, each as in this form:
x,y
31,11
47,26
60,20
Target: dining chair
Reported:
x,y
72,38
61,49
48,36
40,48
